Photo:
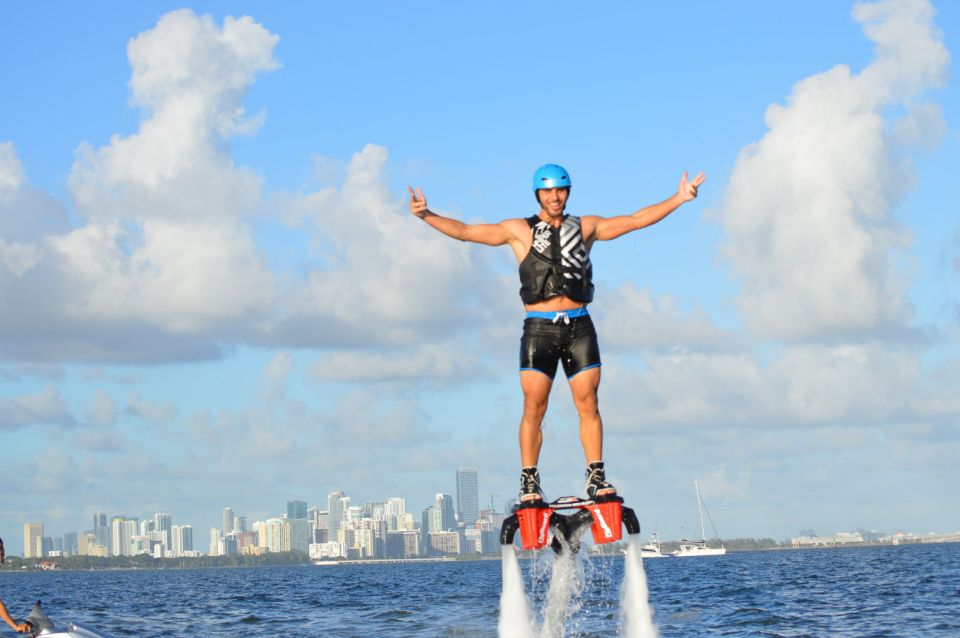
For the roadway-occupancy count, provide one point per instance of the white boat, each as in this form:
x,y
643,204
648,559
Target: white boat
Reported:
x,y
699,548
40,625
652,548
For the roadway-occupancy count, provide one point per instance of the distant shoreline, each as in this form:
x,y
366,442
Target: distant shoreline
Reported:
x,y
16,565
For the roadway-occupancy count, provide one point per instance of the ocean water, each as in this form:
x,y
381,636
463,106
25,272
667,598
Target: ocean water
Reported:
x,y
907,591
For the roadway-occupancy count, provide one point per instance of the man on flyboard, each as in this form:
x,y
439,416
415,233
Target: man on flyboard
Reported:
x,y
556,284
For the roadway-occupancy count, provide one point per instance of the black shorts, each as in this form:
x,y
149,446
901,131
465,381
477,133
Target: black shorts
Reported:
x,y
546,341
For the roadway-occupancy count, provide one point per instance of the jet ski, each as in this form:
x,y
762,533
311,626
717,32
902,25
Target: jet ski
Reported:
x,y
41,625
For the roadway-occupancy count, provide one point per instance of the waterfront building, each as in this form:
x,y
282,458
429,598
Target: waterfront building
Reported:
x,y
102,529
445,543
32,533
244,540
402,544
326,551
182,536
88,546
468,496
443,518
374,509
228,519
163,522
227,546
70,543
122,531
215,535
319,525
273,534
336,502
300,536
297,510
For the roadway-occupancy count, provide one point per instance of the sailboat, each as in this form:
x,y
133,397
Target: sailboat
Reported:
x,y
699,548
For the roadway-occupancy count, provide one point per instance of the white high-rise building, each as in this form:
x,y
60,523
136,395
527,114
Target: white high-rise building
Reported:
x,y
229,521
336,504
163,522
31,533
122,531
395,511
468,496
215,535
273,534
182,539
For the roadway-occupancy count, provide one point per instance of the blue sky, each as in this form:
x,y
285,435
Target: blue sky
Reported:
x,y
212,293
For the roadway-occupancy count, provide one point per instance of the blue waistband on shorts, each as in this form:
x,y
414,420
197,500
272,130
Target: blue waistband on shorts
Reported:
x,y
560,315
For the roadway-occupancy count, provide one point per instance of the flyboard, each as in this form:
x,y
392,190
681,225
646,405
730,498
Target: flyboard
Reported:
x,y
561,524
568,517
41,625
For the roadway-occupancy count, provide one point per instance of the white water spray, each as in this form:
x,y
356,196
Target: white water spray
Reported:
x,y
566,581
514,613
634,601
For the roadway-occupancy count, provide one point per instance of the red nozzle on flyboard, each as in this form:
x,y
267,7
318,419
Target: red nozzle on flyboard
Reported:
x,y
535,518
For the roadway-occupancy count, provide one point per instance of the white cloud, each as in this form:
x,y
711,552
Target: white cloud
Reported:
x,y
799,386
434,361
11,170
150,411
46,408
274,381
162,261
182,277
18,258
103,409
809,208
632,318
190,77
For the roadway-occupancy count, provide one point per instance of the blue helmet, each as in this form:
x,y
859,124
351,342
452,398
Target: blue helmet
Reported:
x,y
550,176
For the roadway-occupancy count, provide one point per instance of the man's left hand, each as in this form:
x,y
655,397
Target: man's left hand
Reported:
x,y
688,189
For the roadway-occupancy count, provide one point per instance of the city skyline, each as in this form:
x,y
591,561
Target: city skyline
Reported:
x,y
211,285
378,529
231,519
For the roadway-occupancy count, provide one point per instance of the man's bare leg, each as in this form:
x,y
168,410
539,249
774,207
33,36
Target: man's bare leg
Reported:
x,y
536,391
583,387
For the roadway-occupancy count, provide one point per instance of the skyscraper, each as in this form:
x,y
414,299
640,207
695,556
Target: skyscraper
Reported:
x,y
101,530
443,519
182,539
468,496
296,509
122,531
163,522
215,536
32,532
337,503
229,518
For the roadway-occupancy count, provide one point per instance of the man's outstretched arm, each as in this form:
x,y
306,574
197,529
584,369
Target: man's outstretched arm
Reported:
x,y
613,227
489,234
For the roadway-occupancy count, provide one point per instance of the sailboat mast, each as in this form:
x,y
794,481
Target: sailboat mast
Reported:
x,y
703,535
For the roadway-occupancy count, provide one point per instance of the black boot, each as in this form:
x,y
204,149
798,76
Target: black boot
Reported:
x,y
530,484
597,481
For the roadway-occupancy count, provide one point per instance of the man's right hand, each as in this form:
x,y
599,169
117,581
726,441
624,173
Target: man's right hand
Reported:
x,y
418,203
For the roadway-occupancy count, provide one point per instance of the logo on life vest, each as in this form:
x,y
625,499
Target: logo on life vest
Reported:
x,y
541,237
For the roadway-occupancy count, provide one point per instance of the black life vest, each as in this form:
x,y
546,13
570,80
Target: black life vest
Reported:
x,y
558,263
